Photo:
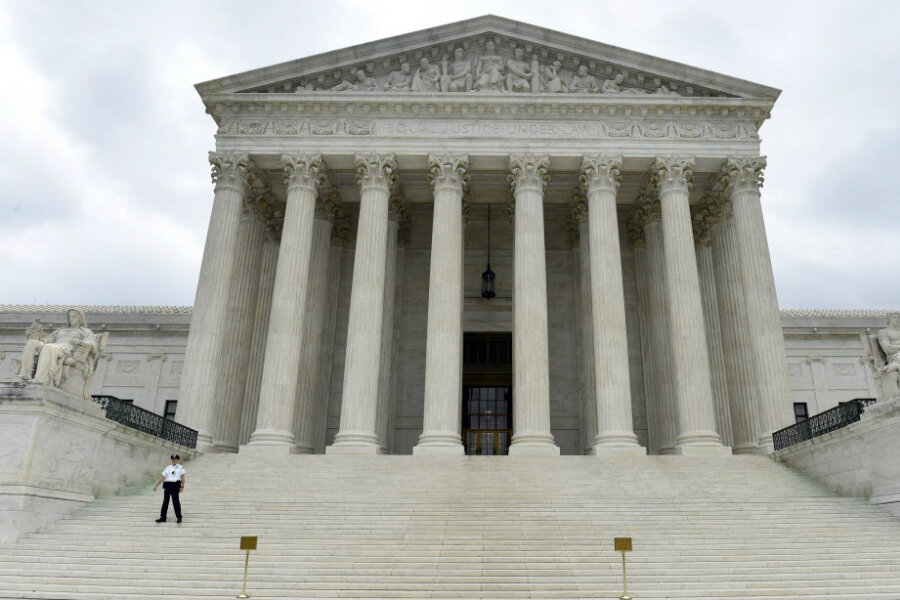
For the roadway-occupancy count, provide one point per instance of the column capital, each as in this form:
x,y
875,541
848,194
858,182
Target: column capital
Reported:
x,y
714,208
647,210
673,173
378,170
340,230
528,171
268,208
742,172
448,171
303,170
233,170
600,171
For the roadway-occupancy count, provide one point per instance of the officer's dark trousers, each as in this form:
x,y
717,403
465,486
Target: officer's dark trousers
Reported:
x,y
170,489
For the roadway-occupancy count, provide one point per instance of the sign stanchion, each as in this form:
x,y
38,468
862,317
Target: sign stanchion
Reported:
x,y
248,543
623,545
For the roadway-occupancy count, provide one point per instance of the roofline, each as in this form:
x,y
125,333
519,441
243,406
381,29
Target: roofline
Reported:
x,y
480,25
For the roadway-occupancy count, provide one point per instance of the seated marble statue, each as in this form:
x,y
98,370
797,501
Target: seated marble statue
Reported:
x,y
888,345
489,69
457,75
520,73
613,86
66,358
551,82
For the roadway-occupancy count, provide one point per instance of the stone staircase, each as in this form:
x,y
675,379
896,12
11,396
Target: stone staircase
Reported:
x,y
390,527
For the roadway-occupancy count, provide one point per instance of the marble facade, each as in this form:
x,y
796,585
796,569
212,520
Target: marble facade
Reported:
x,y
347,239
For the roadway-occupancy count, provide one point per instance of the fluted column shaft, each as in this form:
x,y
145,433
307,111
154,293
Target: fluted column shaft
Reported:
x,y
708,296
647,361
744,177
236,348
738,353
265,283
209,322
443,351
586,329
531,376
662,394
323,383
314,329
278,390
615,429
386,365
693,392
377,175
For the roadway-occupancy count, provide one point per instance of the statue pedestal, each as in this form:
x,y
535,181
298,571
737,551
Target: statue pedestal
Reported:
x,y
60,451
888,383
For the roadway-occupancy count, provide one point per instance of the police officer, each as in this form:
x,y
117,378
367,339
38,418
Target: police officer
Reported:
x,y
173,484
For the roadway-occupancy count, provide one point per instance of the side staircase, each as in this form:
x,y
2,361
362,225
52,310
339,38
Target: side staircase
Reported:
x,y
330,526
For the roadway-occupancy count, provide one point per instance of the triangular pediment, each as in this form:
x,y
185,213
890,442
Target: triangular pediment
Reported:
x,y
487,54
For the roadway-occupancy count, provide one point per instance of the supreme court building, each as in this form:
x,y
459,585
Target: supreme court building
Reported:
x,y
369,201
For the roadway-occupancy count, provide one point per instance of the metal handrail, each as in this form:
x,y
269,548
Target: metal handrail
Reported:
x,y
135,417
840,416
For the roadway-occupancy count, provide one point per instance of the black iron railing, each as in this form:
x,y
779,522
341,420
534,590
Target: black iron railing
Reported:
x,y
822,423
126,413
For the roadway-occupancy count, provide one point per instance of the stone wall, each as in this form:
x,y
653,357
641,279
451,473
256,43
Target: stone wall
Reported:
x,y
60,451
861,460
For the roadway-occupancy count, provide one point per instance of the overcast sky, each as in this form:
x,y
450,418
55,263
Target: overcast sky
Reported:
x,y
104,184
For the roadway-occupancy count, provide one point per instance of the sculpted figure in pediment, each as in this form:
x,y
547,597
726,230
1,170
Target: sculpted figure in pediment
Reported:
x,y
457,75
489,68
583,83
551,82
613,86
363,83
521,76
427,77
399,81
305,87
667,91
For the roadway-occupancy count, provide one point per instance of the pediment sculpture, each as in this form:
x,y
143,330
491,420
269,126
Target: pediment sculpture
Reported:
x,y
884,347
489,71
64,359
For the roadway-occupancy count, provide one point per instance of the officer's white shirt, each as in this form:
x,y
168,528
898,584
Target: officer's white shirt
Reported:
x,y
173,473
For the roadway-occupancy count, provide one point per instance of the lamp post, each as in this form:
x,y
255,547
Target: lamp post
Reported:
x,y
487,278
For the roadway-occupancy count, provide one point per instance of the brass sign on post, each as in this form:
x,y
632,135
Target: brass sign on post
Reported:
x,y
623,545
248,543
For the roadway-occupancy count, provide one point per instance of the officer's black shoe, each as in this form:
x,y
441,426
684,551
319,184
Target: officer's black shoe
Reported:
x,y
160,520
179,520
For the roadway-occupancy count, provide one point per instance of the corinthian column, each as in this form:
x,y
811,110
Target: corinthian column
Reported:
x,y
314,318
693,392
265,282
241,309
443,347
231,174
709,298
531,369
661,390
585,327
304,173
737,352
396,216
377,175
743,178
615,431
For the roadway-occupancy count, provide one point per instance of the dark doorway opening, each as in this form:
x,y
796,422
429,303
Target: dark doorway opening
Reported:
x,y
487,402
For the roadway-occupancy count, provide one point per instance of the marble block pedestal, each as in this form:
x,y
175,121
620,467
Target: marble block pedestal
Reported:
x,y
60,451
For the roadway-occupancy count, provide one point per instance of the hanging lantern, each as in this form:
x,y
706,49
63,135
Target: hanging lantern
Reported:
x,y
487,278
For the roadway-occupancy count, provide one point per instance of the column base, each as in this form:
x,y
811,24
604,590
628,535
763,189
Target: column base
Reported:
x,y
225,448
745,449
766,444
439,443
266,450
205,442
719,450
617,442
354,443
533,444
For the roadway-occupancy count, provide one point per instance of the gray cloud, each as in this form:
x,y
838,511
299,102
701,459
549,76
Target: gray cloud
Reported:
x,y
104,152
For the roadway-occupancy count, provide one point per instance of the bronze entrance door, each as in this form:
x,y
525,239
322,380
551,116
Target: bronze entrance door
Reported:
x,y
487,404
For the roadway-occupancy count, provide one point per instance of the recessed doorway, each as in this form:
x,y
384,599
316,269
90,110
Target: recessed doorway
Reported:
x,y
487,402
